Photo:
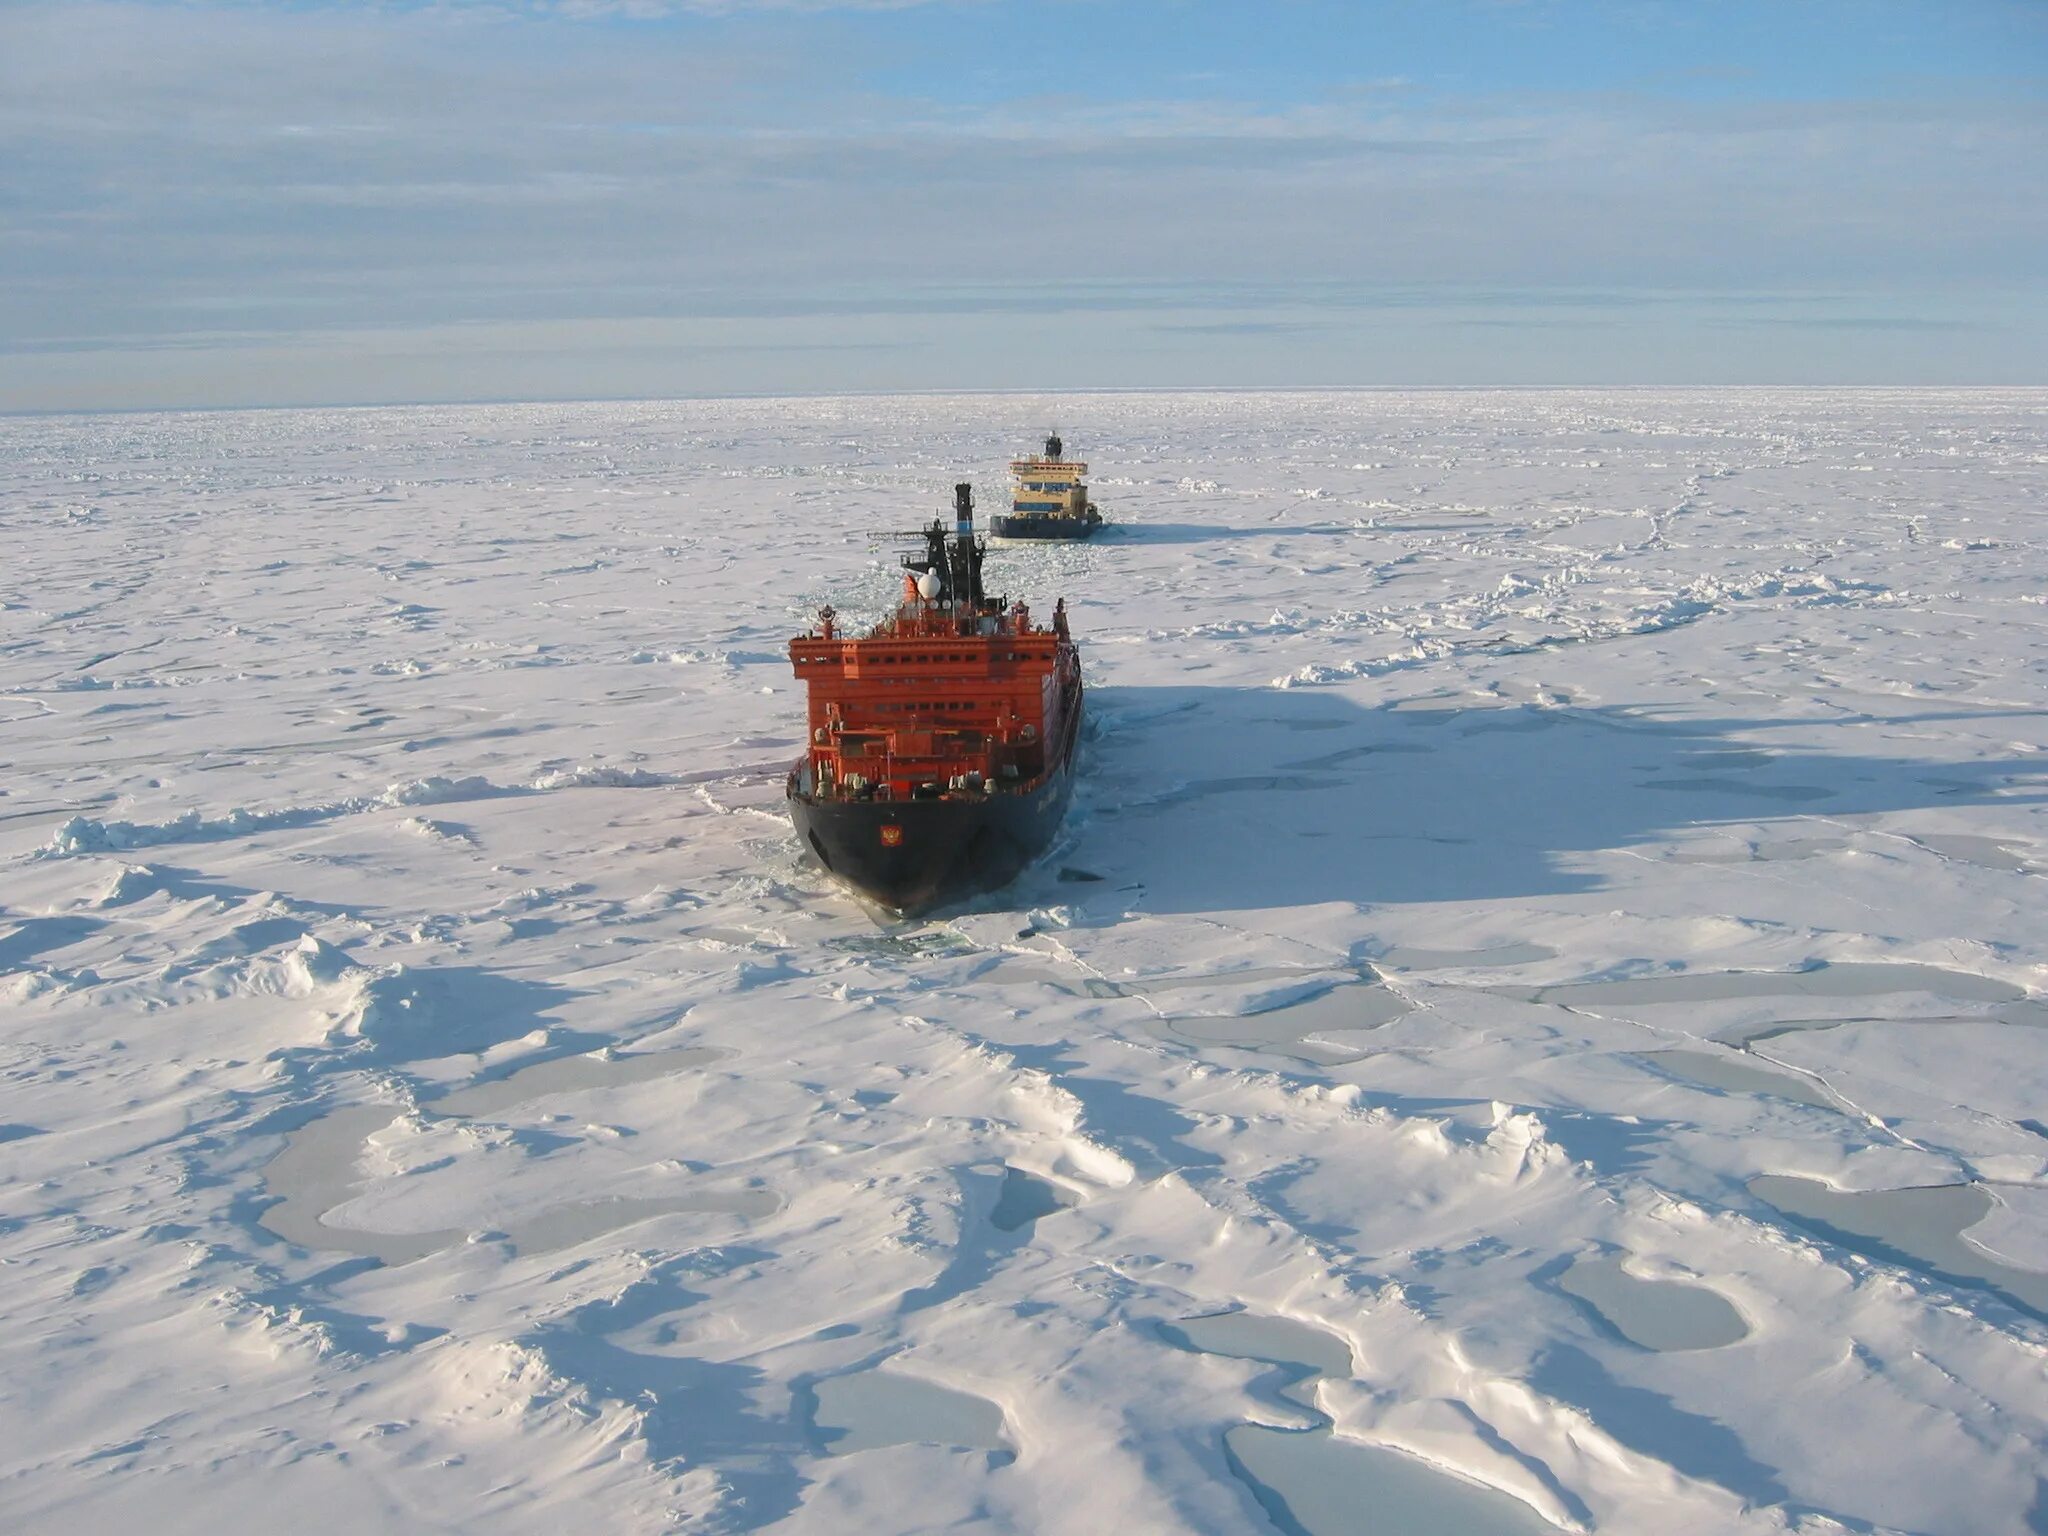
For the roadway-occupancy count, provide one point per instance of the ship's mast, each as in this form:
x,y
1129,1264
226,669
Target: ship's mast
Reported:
x,y
956,560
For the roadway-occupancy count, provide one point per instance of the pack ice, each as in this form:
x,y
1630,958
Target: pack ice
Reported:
x,y
1535,1023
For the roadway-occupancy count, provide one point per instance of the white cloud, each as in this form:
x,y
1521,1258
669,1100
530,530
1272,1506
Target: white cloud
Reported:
x,y
175,170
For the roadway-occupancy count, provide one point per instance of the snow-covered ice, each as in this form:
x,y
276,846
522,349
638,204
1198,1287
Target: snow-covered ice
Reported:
x,y
1538,1018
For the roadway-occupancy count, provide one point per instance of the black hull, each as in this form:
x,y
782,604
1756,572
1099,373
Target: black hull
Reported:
x,y
948,849
944,850
1046,527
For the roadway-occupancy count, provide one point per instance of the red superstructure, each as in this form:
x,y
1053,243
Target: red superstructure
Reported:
x,y
941,743
940,698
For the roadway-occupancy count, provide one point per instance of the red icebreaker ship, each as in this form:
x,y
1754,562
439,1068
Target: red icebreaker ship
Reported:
x,y
941,755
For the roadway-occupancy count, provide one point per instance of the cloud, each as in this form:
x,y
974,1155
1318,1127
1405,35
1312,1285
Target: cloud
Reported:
x,y
1855,322
1243,327
185,175
649,10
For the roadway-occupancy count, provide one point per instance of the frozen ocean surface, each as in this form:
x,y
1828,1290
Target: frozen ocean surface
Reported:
x,y
1535,1020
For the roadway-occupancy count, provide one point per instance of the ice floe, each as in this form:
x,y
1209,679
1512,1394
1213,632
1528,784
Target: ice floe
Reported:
x,y
1534,1021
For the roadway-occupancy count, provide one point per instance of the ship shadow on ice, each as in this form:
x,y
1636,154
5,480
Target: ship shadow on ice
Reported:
x,y
1218,799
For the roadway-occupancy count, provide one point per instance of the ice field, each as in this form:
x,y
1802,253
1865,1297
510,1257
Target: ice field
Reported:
x,y
1538,1019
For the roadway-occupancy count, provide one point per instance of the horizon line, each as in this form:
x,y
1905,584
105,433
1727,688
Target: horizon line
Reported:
x,y
15,414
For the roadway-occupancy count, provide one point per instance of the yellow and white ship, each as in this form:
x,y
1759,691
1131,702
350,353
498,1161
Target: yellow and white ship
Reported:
x,y
1050,500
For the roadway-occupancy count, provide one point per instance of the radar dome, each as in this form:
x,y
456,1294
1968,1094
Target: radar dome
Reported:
x,y
928,585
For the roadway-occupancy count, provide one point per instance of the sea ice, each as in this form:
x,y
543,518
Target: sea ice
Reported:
x,y
1569,889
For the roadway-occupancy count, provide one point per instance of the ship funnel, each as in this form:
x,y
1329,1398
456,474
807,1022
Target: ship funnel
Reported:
x,y
1052,446
963,510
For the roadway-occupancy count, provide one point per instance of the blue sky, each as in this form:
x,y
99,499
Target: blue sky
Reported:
x,y
245,203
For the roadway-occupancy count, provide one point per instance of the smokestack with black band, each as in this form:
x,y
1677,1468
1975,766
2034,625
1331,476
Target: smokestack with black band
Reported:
x,y
963,510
